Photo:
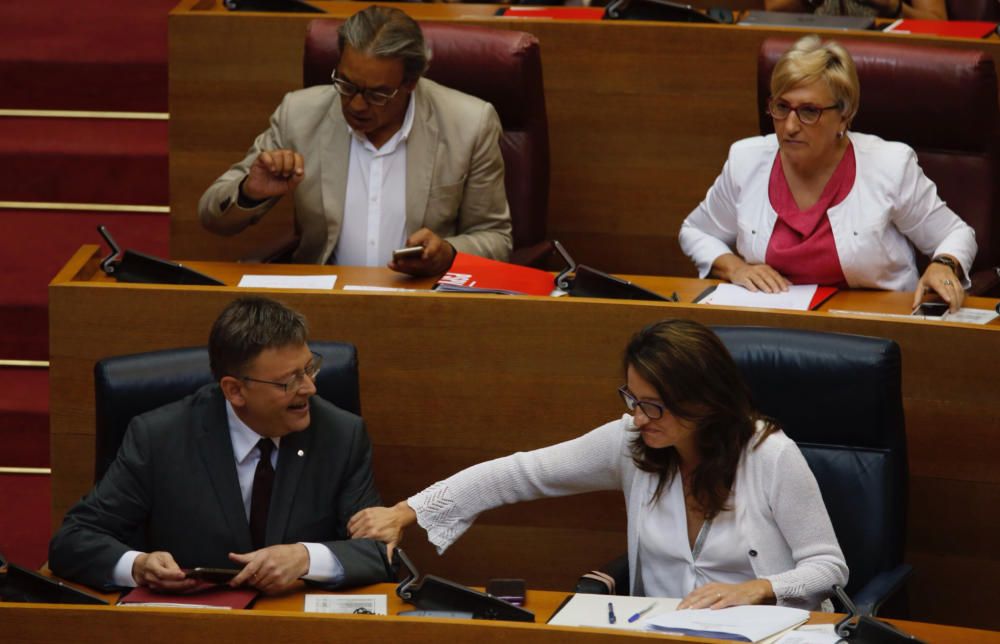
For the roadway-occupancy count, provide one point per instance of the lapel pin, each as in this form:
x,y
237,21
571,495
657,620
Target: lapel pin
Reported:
x,y
301,453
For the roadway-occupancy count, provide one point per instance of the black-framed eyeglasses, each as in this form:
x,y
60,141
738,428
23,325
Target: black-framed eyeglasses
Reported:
x,y
652,410
294,383
807,113
348,89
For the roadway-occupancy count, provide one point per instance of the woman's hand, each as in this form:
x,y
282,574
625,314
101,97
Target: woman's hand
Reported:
x,y
758,591
752,277
382,524
940,279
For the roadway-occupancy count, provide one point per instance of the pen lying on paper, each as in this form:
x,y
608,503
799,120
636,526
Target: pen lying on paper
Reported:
x,y
641,613
611,613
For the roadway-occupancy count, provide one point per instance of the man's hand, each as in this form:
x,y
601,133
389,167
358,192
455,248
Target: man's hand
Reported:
x,y
273,173
273,569
159,571
435,260
382,524
714,595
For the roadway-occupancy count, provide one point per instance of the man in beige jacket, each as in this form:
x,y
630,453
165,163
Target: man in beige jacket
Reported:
x,y
379,160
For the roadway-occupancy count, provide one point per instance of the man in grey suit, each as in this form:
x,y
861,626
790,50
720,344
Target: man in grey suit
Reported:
x,y
380,159
251,472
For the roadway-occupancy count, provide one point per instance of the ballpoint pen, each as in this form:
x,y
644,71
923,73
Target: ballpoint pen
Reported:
x,y
641,613
611,613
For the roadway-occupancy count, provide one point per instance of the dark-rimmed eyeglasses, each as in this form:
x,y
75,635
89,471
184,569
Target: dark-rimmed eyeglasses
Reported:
x,y
652,410
294,383
807,113
349,90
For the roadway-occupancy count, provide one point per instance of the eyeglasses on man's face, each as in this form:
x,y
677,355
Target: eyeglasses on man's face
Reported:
x,y
652,410
807,113
294,383
349,90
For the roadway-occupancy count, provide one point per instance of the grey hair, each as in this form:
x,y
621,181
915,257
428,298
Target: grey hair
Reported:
x,y
387,32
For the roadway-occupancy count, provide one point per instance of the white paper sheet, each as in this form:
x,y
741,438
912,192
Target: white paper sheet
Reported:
x,y
756,623
373,604
365,287
964,315
811,634
317,282
592,610
796,298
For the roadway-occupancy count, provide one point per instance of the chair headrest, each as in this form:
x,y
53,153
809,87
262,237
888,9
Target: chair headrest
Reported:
x,y
926,97
498,66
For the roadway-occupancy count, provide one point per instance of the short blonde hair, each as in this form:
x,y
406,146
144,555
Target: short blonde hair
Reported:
x,y
809,60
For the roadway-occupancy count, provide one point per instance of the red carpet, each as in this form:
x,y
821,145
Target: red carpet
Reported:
x,y
34,245
24,518
84,161
24,417
68,54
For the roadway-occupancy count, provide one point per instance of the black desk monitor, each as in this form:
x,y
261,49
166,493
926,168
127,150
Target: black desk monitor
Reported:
x,y
23,585
140,268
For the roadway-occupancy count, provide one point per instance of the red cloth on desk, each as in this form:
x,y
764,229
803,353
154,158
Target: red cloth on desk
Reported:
x,y
802,247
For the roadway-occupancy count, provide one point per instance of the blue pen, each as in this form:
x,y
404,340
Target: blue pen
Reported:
x,y
611,613
641,613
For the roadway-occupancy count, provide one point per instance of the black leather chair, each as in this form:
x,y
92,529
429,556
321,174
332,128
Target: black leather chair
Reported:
x,y
839,397
129,385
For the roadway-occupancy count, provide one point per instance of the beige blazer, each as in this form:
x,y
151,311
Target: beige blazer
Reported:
x,y
454,172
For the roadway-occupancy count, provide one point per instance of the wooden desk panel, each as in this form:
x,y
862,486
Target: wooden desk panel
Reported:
x,y
641,116
497,374
280,619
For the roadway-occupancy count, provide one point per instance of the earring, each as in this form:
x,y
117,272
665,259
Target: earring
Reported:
x,y
840,134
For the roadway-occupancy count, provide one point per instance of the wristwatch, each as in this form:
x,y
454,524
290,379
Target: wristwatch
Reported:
x,y
949,262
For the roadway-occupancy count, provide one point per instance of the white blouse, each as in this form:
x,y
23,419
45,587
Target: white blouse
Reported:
x,y
891,206
781,521
668,566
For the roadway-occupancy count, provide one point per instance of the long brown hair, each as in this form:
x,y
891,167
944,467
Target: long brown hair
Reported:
x,y
698,382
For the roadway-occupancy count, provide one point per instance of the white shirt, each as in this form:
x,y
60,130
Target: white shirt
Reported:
x,y
668,566
323,565
375,202
891,204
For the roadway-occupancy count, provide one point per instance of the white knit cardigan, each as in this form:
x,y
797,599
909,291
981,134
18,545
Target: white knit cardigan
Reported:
x,y
782,521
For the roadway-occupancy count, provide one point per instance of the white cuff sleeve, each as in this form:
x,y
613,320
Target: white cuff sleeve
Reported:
x,y
122,574
323,564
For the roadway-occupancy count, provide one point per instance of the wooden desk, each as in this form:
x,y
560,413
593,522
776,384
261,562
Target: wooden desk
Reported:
x,y
641,116
280,619
450,380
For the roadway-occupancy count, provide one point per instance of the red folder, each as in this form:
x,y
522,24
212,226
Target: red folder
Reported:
x,y
823,293
555,13
948,28
213,596
472,273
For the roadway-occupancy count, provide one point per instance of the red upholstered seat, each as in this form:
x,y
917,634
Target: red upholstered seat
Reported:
x,y
503,68
943,104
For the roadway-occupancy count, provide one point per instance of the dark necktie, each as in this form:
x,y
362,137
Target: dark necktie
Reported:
x,y
260,496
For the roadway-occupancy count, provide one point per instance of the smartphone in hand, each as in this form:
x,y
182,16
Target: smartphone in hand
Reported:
x,y
212,575
931,309
409,251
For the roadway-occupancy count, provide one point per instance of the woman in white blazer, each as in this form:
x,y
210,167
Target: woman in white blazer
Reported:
x,y
722,508
817,204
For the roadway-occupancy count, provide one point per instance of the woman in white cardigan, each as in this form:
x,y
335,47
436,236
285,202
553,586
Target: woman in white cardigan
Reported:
x,y
722,508
817,204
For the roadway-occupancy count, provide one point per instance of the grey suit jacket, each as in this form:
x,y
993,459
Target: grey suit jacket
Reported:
x,y
173,487
454,172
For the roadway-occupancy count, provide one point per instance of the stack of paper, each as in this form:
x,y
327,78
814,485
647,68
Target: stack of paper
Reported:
x,y
740,623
